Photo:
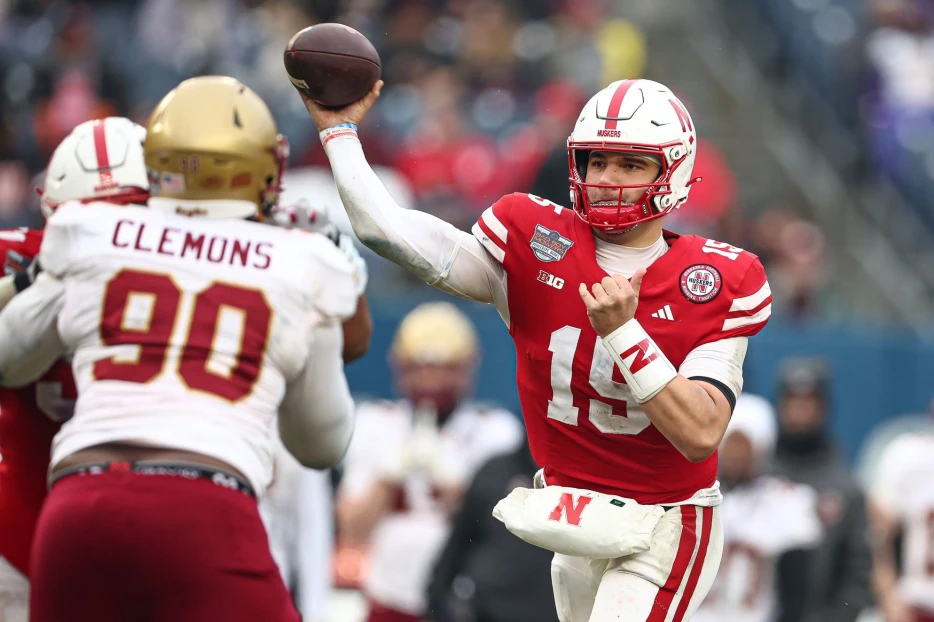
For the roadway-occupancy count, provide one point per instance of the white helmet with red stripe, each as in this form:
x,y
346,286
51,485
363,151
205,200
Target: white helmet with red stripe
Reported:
x,y
639,117
100,160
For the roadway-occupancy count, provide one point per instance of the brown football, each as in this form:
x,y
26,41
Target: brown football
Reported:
x,y
332,63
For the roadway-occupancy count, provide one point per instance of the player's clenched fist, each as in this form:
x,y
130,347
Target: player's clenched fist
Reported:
x,y
351,113
613,302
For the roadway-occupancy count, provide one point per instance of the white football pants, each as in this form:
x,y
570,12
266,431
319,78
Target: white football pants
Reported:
x,y
14,594
667,583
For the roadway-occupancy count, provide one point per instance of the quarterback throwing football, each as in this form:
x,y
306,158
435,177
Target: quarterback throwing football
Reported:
x,y
629,340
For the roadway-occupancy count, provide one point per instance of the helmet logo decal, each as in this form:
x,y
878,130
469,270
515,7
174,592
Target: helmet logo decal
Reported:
x,y
616,103
549,245
701,283
103,160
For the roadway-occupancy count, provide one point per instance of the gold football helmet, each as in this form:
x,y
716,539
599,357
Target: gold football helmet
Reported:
x,y
213,149
435,332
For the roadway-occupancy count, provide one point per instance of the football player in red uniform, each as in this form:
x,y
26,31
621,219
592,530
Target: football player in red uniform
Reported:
x,y
629,339
99,160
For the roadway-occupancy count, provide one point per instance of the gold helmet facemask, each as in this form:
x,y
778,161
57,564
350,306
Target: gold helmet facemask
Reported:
x,y
213,149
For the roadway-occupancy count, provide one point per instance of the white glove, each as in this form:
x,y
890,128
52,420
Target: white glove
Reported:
x,y
427,452
302,216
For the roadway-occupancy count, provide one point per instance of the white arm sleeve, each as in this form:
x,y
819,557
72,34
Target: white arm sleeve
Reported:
x,y
316,418
721,360
29,339
433,250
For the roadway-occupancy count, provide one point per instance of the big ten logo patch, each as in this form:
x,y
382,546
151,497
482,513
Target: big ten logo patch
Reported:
x,y
550,279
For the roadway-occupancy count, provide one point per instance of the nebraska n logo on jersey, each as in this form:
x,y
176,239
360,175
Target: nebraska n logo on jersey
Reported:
x,y
570,510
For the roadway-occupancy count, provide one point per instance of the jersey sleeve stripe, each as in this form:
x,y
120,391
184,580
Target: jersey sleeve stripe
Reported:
x,y
752,301
752,311
494,225
748,320
489,244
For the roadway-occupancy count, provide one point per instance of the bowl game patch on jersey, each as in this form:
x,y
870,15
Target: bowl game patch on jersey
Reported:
x,y
549,245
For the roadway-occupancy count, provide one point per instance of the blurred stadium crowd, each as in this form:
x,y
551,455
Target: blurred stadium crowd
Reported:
x,y
479,94
479,98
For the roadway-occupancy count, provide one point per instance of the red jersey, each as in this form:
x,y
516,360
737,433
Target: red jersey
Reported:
x,y
584,427
29,418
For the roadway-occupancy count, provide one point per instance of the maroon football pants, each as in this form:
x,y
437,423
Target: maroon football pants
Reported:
x,y
126,547
379,613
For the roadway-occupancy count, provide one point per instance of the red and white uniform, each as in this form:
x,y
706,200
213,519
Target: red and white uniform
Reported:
x,y
904,487
584,428
700,301
29,418
761,521
404,545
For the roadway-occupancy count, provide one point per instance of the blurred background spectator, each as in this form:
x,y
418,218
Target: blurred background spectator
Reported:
x,y
298,514
485,573
410,461
838,570
816,151
770,526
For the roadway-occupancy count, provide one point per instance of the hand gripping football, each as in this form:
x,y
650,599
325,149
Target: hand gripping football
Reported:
x,y
333,64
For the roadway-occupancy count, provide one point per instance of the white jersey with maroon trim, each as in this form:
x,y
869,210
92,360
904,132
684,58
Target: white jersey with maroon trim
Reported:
x,y
904,487
761,521
404,544
584,427
186,331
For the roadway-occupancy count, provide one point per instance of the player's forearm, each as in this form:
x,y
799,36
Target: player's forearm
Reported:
x,y
379,222
358,515
357,331
688,416
433,250
691,416
882,537
29,340
316,418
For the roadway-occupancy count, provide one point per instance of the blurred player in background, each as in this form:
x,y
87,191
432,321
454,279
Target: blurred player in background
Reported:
x,y
191,329
766,522
626,386
298,509
901,502
839,568
98,160
410,461
298,513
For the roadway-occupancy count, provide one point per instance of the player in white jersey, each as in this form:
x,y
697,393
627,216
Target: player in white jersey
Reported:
x,y
902,499
764,518
298,509
411,460
189,329
298,514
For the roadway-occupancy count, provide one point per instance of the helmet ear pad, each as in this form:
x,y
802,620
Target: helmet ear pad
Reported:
x,y
581,159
